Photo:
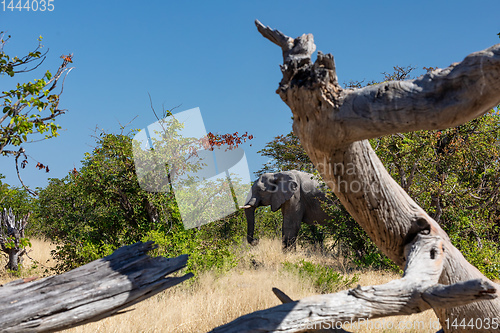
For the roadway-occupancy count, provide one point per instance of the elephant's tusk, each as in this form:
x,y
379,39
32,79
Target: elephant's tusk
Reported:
x,y
245,207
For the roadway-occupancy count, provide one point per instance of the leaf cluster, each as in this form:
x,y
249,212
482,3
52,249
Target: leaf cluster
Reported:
x,y
324,279
15,198
12,65
29,109
285,153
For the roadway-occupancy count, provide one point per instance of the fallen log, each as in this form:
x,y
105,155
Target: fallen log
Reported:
x,y
89,293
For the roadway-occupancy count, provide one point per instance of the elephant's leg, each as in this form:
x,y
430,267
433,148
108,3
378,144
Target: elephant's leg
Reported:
x,y
290,232
250,215
293,214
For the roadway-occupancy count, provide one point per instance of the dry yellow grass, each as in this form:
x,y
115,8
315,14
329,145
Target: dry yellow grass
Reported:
x,y
212,301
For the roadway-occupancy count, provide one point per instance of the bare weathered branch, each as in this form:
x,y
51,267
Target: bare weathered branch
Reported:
x,y
417,291
275,36
294,50
284,298
89,293
333,125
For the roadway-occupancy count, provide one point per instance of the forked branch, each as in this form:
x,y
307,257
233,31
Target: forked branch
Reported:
x,y
417,291
440,99
333,125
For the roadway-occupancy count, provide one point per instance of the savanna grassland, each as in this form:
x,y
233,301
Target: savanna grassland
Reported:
x,y
213,298
95,209
100,207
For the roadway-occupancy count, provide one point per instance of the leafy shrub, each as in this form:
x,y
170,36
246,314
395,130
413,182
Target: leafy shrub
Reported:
x,y
324,279
209,248
342,235
267,223
72,255
101,207
479,251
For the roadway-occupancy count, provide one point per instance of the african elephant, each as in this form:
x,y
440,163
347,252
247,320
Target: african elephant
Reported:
x,y
298,195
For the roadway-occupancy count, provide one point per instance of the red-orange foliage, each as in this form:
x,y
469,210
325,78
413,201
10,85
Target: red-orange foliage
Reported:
x,y
231,140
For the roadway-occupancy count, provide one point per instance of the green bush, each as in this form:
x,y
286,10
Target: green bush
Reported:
x,y
342,235
479,251
210,247
325,280
72,255
267,223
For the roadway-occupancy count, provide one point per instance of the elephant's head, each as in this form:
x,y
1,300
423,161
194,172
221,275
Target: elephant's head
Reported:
x,y
272,189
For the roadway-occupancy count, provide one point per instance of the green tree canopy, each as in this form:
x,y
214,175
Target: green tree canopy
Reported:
x,y
285,153
101,206
15,198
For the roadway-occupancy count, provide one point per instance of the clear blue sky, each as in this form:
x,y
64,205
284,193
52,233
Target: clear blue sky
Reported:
x,y
208,54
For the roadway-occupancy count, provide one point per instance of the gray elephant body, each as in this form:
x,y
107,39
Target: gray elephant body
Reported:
x,y
299,196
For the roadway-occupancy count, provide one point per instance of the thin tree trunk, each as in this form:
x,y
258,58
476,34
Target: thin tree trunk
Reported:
x,y
11,237
14,259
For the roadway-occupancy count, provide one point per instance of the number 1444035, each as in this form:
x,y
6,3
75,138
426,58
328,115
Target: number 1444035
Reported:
x,y
28,5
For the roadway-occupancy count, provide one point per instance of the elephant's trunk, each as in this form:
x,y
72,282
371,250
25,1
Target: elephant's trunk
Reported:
x,y
250,215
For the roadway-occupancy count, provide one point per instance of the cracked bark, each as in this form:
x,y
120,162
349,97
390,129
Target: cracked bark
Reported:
x,y
334,124
88,293
11,234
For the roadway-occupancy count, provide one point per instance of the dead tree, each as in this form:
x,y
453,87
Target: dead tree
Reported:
x,y
11,237
334,125
88,293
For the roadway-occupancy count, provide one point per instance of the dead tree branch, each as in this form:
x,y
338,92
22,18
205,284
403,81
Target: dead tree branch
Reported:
x,y
417,291
89,293
334,125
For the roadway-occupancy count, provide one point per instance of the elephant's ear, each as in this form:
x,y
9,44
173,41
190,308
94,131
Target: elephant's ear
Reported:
x,y
285,188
